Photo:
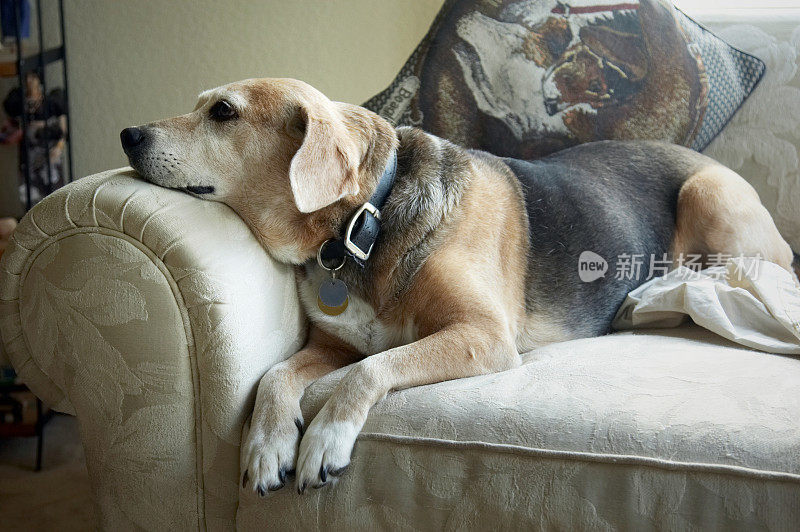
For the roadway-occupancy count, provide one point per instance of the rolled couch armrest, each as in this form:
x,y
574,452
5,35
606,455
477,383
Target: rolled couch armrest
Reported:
x,y
151,316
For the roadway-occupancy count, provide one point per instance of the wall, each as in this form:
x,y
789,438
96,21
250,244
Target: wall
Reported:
x,y
134,61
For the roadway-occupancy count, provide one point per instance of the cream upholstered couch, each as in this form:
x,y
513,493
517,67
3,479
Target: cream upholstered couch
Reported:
x,y
151,316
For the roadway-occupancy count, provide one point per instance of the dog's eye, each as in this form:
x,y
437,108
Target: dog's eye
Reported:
x,y
222,111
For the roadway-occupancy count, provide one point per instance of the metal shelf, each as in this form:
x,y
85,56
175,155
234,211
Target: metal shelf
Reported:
x,y
30,62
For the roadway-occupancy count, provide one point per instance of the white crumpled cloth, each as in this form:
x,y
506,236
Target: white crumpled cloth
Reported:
x,y
749,301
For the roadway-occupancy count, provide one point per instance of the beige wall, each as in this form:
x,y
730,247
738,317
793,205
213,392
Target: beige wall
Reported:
x,y
134,61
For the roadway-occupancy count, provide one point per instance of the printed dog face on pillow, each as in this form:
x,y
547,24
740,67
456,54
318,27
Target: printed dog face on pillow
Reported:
x,y
589,71
525,78
605,67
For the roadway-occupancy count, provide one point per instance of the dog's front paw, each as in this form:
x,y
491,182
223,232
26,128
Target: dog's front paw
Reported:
x,y
325,451
269,454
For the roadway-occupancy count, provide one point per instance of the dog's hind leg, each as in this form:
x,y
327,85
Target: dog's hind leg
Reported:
x,y
720,213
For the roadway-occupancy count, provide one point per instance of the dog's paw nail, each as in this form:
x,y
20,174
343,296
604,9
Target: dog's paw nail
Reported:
x,y
321,485
276,487
323,474
299,424
301,488
338,472
261,490
245,478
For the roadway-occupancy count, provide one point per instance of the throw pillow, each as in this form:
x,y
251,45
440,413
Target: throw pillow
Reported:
x,y
525,78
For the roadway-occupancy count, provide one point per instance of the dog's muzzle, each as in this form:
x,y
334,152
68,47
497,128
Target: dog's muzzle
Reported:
x,y
136,142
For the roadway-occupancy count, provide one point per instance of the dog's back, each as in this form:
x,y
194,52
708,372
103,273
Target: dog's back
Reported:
x,y
615,199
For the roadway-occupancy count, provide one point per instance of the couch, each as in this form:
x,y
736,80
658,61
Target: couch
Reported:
x,y
151,316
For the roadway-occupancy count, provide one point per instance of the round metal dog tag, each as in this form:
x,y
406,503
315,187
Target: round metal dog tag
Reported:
x,y
332,298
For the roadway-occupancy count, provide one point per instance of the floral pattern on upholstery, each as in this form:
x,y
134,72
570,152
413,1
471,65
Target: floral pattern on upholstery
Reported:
x,y
762,139
672,429
152,316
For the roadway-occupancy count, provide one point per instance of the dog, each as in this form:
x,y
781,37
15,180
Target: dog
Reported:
x,y
475,261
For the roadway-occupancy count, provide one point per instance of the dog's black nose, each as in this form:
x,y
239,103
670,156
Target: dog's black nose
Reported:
x,y
131,137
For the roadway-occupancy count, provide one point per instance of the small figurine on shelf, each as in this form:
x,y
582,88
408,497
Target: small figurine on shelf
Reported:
x,y
46,126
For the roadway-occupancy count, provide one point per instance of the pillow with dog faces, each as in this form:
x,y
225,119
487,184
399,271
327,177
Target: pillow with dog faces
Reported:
x,y
525,78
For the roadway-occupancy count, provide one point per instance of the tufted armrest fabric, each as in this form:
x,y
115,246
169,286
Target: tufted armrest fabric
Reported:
x,y
151,315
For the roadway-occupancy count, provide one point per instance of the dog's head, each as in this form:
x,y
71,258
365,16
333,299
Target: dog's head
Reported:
x,y
288,160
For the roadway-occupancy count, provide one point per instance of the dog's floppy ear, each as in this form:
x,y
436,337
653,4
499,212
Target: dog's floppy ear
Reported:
x,y
325,168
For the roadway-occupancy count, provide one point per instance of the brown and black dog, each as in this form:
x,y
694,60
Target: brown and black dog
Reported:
x,y
477,257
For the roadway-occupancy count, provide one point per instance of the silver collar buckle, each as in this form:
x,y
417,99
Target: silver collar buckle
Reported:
x,y
349,244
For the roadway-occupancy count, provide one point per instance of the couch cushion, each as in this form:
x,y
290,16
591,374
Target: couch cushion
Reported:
x,y
659,428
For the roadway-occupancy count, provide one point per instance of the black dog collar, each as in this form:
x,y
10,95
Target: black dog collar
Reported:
x,y
362,228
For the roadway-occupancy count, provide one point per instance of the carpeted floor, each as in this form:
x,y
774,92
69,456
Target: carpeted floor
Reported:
x,y
56,498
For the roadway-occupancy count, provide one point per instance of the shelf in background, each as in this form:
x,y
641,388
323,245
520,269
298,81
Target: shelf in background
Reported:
x,y
8,62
